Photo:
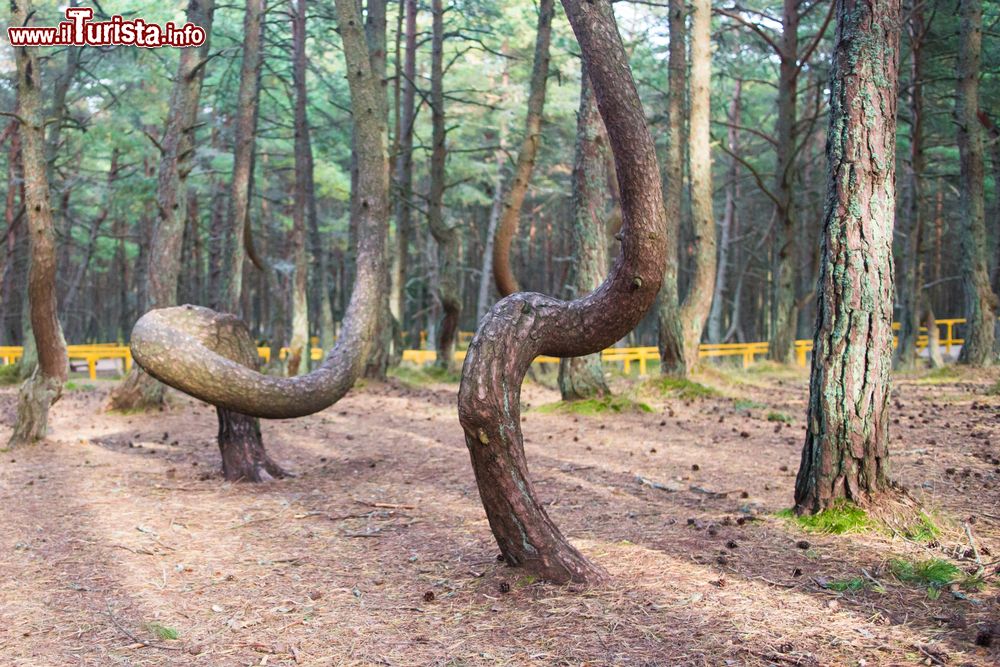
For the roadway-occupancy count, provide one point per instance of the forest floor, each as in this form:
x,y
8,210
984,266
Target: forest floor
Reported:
x,y
122,545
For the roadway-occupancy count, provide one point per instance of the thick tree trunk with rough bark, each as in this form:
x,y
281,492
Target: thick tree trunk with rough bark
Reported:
x,y
446,235
522,326
163,342
909,282
698,299
45,385
163,261
980,301
727,229
670,336
583,377
783,321
511,214
299,347
846,453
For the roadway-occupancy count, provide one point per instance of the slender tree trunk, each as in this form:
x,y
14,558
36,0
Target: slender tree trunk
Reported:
x,y
299,348
525,325
404,165
670,334
698,300
484,300
446,235
511,215
163,260
583,377
728,227
846,453
45,385
909,283
993,135
980,302
782,339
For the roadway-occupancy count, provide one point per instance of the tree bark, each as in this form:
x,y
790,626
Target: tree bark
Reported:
x,y
909,283
299,347
446,235
980,302
698,300
45,385
163,261
583,377
782,339
509,219
160,336
670,336
523,326
846,453
404,165
728,227
500,156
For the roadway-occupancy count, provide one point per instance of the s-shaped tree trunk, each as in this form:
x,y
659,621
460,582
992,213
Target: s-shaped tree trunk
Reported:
x,y
511,214
163,262
45,385
846,453
524,325
583,377
980,302
178,345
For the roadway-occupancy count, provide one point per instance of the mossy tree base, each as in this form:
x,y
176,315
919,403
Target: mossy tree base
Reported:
x,y
581,378
138,391
35,398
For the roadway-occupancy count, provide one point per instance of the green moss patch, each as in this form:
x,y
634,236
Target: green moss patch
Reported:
x,y
680,387
779,417
596,406
844,517
424,375
8,374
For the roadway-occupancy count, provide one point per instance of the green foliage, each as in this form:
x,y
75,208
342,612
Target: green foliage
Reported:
x,y
943,375
779,417
596,406
933,572
73,386
747,404
162,631
8,374
844,517
853,584
421,376
681,387
922,530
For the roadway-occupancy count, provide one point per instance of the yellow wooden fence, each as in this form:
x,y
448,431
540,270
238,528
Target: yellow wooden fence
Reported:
x,y
747,352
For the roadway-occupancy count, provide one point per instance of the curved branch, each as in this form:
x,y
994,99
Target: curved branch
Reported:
x,y
524,325
511,215
177,345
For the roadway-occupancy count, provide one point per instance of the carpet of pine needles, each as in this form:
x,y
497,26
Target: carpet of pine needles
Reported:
x,y
122,545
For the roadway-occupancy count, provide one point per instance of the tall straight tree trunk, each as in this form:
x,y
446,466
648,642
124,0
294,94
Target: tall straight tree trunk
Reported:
x,y
163,260
45,385
483,300
583,377
670,335
783,321
385,352
698,300
728,227
404,165
846,453
525,325
299,347
980,302
511,215
993,134
909,282
446,235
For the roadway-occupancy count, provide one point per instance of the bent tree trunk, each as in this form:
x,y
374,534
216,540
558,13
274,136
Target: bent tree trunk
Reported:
x,y
670,338
45,385
511,215
583,377
163,263
522,326
980,302
207,373
446,236
846,453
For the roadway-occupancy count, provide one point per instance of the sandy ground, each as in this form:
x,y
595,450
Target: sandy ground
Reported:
x,y
378,552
